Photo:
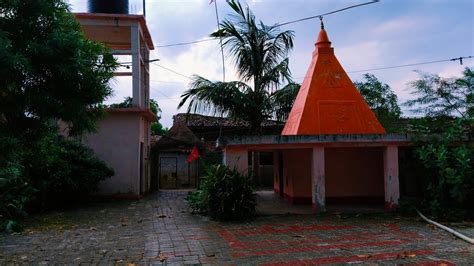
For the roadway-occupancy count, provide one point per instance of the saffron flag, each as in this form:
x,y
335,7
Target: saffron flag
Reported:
x,y
194,155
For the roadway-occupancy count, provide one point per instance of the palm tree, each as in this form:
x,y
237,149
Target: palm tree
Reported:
x,y
260,53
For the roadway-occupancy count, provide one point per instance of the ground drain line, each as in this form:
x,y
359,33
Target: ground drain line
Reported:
x,y
456,233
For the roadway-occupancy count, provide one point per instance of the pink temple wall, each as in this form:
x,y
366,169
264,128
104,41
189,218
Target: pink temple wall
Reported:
x,y
354,172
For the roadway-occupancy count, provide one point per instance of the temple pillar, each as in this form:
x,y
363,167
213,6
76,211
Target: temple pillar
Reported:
x,y
318,187
391,182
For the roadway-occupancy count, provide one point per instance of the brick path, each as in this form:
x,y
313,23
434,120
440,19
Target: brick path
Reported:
x,y
160,227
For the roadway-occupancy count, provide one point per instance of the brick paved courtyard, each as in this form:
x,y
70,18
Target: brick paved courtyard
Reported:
x,y
160,230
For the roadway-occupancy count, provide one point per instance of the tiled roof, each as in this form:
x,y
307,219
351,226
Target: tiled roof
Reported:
x,y
197,120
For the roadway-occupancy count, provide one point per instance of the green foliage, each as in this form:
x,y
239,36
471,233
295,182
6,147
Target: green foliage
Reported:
x,y
126,103
449,168
382,100
15,190
444,147
260,53
283,100
64,171
438,96
156,127
54,173
224,194
49,70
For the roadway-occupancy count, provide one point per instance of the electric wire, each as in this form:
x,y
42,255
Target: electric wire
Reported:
x,y
278,24
408,65
172,71
327,13
414,64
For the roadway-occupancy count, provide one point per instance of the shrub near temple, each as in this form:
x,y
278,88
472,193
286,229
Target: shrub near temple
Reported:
x,y
224,194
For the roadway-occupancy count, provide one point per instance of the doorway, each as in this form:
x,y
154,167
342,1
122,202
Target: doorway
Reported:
x,y
168,172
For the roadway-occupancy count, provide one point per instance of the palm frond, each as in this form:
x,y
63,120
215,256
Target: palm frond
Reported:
x,y
221,98
283,99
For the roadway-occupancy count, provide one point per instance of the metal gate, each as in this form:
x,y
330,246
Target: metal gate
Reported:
x,y
168,172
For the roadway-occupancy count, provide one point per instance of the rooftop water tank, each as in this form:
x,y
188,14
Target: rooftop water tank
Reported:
x,y
108,6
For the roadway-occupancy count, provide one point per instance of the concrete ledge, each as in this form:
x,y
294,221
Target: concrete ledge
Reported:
x,y
145,112
310,140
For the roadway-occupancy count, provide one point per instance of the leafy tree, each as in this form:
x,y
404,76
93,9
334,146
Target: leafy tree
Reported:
x,y
50,72
444,147
381,99
156,127
260,53
437,96
126,103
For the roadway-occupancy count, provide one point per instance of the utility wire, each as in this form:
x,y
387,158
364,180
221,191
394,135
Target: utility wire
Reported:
x,y
184,43
278,24
327,13
172,71
415,64
166,96
460,59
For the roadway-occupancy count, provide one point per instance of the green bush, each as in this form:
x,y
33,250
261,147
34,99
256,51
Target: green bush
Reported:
x,y
15,190
224,194
64,171
46,173
448,164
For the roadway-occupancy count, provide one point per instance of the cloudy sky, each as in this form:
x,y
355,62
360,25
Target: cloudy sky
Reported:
x,y
388,33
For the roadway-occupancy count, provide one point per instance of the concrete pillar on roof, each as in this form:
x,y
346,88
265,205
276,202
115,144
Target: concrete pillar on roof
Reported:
x,y
318,187
236,159
391,177
136,67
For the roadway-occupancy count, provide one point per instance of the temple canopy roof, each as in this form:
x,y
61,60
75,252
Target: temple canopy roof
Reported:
x,y
328,102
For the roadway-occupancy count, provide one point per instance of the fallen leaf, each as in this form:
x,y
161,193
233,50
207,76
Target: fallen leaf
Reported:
x,y
162,257
365,256
406,255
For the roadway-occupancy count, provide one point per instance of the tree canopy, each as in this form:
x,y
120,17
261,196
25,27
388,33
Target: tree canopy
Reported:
x,y
381,99
49,70
156,127
260,54
437,96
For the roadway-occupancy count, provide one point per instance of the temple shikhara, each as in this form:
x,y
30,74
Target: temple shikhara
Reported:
x,y
332,148
328,102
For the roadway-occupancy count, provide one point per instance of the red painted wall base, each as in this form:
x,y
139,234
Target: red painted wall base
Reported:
x,y
390,205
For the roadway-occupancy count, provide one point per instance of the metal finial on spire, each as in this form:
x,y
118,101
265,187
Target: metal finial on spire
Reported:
x,y
322,23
